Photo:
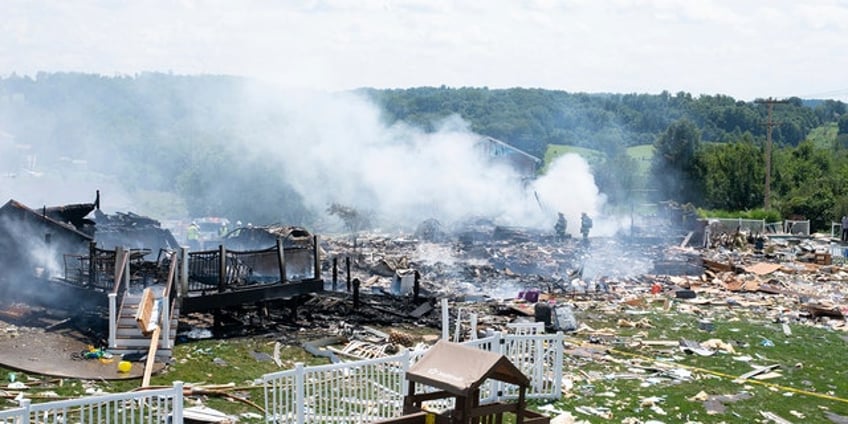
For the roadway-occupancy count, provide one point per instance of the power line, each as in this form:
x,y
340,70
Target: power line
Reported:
x,y
832,93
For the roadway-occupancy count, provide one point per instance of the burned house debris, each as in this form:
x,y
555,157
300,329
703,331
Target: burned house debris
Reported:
x,y
34,241
277,263
131,231
490,277
53,234
105,265
261,237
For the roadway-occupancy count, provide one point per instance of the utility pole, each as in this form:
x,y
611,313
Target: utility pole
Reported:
x,y
770,102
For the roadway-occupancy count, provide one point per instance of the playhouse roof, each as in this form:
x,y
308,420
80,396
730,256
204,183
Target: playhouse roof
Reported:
x,y
460,369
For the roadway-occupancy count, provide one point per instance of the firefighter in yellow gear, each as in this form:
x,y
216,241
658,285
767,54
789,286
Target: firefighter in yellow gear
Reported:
x,y
193,236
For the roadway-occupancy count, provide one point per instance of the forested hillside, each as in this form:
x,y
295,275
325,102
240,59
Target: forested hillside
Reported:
x,y
531,119
174,135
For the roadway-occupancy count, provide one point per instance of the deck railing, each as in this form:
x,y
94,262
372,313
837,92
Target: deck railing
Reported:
x,y
221,270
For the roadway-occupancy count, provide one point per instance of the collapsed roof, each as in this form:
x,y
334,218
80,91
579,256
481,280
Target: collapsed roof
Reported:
x,y
36,242
263,237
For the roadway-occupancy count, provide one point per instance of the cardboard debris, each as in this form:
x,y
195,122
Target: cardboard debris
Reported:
x,y
763,268
642,323
717,344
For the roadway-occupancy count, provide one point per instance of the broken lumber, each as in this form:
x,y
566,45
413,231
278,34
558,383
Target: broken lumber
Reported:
x,y
716,266
757,371
151,356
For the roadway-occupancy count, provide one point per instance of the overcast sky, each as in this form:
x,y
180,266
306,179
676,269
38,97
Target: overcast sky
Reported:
x,y
746,49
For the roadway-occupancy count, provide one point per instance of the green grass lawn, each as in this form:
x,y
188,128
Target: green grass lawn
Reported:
x,y
630,379
556,150
824,136
615,372
642,154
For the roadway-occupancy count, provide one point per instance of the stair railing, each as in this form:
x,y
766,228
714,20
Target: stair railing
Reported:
x,y
168,301
122,277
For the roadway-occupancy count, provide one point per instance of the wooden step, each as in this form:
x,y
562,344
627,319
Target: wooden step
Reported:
x,y
137,338
135,333
126,323
130,321
135,343
163,355
128,337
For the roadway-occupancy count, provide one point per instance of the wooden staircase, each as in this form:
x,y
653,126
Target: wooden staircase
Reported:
x,y
129,338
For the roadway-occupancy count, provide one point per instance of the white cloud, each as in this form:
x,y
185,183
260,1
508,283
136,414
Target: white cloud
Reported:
x,y
745,49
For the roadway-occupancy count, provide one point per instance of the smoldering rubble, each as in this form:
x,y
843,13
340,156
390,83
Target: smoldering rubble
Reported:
x,y
508,274
386,291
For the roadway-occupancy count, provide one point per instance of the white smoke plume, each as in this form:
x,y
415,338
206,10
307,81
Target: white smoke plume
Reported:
x,y
41,258
569,187
37,176
329,147
336,148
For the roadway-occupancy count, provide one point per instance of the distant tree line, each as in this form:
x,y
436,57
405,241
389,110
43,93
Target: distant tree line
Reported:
x,y
808,180
530,119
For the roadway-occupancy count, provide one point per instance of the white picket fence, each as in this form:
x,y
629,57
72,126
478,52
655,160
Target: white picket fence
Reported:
x,y
349,392
362,391
147,406
365,391
15,415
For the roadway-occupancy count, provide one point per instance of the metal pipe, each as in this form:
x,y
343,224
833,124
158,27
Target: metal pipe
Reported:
x,y
183,271
416,287
335,272
356,293
317,261
92,254
222,268
347,265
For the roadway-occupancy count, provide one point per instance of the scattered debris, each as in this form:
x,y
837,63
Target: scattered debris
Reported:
x,y
774,417
205,414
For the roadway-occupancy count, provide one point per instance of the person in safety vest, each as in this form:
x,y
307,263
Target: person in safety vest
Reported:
x,y
560,227
193,236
